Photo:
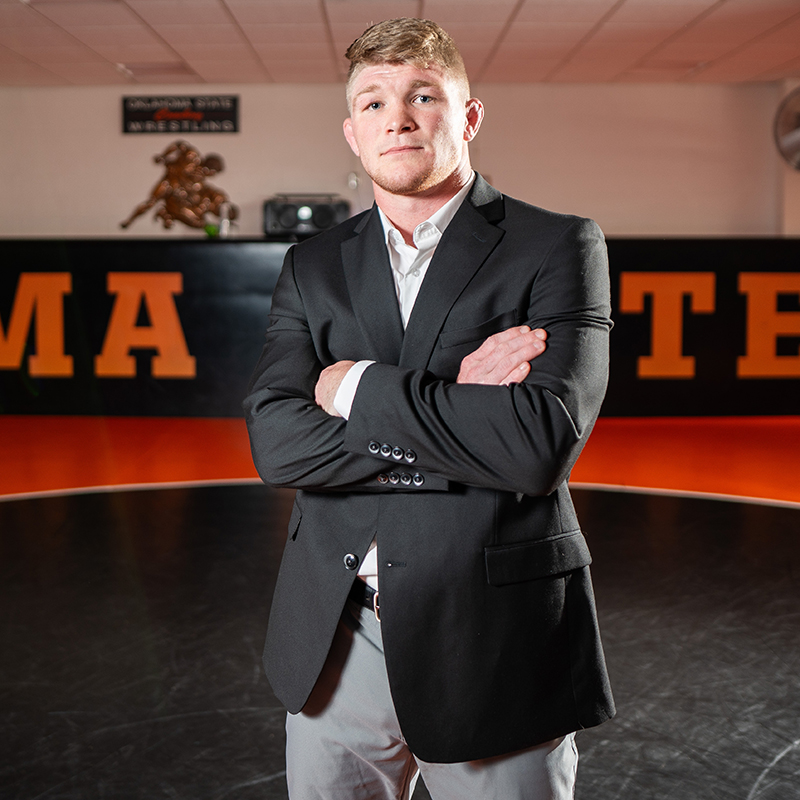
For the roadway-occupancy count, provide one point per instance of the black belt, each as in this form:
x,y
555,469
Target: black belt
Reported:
x,y
364,595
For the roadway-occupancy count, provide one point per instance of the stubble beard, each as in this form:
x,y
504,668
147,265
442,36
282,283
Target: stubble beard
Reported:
x,y
395,182
416,182
394,185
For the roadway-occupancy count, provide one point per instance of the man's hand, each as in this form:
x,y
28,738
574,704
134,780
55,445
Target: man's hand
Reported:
x,y
503,358
328,385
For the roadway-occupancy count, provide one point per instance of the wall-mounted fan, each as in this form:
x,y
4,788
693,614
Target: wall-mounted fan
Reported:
x,y
787,128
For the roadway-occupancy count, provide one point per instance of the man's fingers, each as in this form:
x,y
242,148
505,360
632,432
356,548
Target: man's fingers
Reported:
x,y
503,358
519,374
510,341
504,339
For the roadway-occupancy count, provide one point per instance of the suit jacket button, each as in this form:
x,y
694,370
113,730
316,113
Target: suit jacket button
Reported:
x,y
374,447
397,453
410,456
405,479
383,478
394,478
350,561
418,479
386,450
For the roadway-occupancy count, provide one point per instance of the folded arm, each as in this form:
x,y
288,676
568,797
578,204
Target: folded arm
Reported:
x,y
293,441
524,436
501,360
483,429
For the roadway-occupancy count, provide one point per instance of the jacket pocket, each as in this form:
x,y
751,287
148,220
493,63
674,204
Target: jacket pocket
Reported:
x,y
539,558
479,332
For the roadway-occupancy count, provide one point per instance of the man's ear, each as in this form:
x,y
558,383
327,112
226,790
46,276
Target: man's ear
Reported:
x,y
348,134
474,118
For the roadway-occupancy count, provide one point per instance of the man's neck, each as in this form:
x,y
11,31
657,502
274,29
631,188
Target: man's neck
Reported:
x,y
405,212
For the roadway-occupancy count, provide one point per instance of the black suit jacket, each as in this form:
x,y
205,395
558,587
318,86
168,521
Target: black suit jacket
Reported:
x,y
488,618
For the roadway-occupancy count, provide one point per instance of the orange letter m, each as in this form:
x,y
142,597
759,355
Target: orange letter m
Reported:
x,y
44,292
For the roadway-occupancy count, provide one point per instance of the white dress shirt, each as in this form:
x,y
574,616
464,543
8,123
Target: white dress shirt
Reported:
x,y
409,265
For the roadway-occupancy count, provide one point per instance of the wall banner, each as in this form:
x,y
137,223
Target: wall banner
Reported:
x,y
132,327
181,114
175,327
704,327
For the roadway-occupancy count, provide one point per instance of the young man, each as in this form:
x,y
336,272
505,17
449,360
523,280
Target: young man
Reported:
x,y
432,369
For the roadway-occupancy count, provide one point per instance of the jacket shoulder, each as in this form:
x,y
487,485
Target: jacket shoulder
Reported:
x,y
519,210
510,213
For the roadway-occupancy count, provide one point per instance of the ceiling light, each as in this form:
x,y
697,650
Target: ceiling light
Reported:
x,y
149,69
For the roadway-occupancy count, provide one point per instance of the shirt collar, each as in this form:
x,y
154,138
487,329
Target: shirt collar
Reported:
x,y
438,221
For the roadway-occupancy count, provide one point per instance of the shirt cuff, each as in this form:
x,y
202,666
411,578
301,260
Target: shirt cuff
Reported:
x,y
346,392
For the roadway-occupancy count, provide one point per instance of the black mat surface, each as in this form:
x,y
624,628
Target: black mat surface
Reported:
x,y
132,623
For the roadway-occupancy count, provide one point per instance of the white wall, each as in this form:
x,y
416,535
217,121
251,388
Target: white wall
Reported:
x,y
641,159
659,159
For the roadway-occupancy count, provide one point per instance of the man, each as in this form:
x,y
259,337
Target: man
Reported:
x,y
432,370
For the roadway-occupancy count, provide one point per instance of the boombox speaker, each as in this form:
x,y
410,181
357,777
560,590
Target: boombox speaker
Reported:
x,y
291,217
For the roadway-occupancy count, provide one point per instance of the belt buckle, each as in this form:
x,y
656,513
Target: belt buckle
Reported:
x,y
376,606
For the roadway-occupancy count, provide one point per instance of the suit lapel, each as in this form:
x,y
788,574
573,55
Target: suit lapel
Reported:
x,y
465,245
373,296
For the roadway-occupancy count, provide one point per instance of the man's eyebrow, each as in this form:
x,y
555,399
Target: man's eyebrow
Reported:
x,y
417,84
421,84
373,87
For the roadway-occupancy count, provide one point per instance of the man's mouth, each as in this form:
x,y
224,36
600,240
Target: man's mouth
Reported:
x,y
392,151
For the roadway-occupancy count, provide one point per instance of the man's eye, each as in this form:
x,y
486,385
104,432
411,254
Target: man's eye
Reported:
x,y
374,106
424,98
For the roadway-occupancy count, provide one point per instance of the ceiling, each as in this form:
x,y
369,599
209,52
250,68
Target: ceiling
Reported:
x,y
129,42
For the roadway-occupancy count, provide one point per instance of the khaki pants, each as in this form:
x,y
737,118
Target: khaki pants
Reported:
x,y
346,744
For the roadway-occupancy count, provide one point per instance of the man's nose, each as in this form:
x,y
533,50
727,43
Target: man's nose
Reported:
x,y
401,119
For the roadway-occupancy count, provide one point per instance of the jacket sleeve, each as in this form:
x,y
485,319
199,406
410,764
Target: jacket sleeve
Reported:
x,y
294,442
523,438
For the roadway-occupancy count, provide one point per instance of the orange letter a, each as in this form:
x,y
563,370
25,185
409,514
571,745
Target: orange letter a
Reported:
x,y
164,334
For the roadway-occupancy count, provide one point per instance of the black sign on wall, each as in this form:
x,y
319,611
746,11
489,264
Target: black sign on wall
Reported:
x,y
704,327
181,114
132,327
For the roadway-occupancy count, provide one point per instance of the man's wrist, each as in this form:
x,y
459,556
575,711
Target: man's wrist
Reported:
x,y
343,400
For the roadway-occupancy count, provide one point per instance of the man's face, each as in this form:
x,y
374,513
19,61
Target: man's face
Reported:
x,y
410,126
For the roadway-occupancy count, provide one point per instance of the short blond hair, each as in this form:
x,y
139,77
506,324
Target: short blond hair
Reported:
x,y
406,40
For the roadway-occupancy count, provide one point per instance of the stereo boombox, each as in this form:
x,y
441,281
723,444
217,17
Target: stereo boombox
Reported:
x,y
292,217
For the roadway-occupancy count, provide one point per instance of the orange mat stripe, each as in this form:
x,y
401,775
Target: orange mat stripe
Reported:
x,y
755,457
59,453
752,456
